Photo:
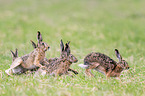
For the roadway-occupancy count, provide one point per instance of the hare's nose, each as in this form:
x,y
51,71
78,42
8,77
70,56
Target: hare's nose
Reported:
x,y
76,61
48,47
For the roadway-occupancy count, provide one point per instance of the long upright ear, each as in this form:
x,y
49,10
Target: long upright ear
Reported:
x,y
118,55
39,37
33,44
16,52
67,48
61,45
13,54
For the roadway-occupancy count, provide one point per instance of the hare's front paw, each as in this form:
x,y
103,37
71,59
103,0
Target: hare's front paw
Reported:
x,y
76,72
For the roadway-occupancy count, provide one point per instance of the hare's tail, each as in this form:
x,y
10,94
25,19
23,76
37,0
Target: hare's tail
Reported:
x,y
83,66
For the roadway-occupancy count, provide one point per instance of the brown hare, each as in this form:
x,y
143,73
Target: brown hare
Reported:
x,y
43,62
61,66
31,60
104,64
53,60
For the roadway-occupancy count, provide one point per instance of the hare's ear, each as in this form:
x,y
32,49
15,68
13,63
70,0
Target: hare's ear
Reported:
x,y
68,42
33,44
118,55
39,37
67,48
13,54
62,45
16,52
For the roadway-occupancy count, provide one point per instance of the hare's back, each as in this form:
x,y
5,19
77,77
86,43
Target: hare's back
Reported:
x,y
52,60
53,65
25,57
100,58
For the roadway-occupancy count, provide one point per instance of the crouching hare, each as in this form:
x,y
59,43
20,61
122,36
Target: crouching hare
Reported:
x,y
104,64
61,66
31,60
53,60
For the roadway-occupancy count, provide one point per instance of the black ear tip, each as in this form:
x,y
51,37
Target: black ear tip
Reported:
x,y
66,44
116,50
61,41
38,33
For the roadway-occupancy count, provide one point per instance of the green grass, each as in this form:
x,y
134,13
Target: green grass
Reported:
x,y
90,25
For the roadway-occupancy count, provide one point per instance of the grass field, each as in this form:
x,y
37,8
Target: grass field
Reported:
x,y
90,25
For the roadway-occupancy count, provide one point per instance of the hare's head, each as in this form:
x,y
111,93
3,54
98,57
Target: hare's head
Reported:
x,y
14,55
42,45
66,54
121,62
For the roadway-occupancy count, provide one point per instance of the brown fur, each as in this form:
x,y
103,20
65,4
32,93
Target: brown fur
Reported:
x,y
50,61
105,64
60,66
32,60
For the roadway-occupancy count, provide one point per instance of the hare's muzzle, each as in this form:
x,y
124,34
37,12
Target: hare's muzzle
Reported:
x,y
76,60
127,67
47,48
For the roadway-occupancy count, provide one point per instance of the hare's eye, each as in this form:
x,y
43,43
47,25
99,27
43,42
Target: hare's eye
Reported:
x,y
42,43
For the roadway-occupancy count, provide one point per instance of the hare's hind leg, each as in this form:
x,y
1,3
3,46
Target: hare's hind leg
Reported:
x,y
18,61
91,66
88,72
75,72
67,73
